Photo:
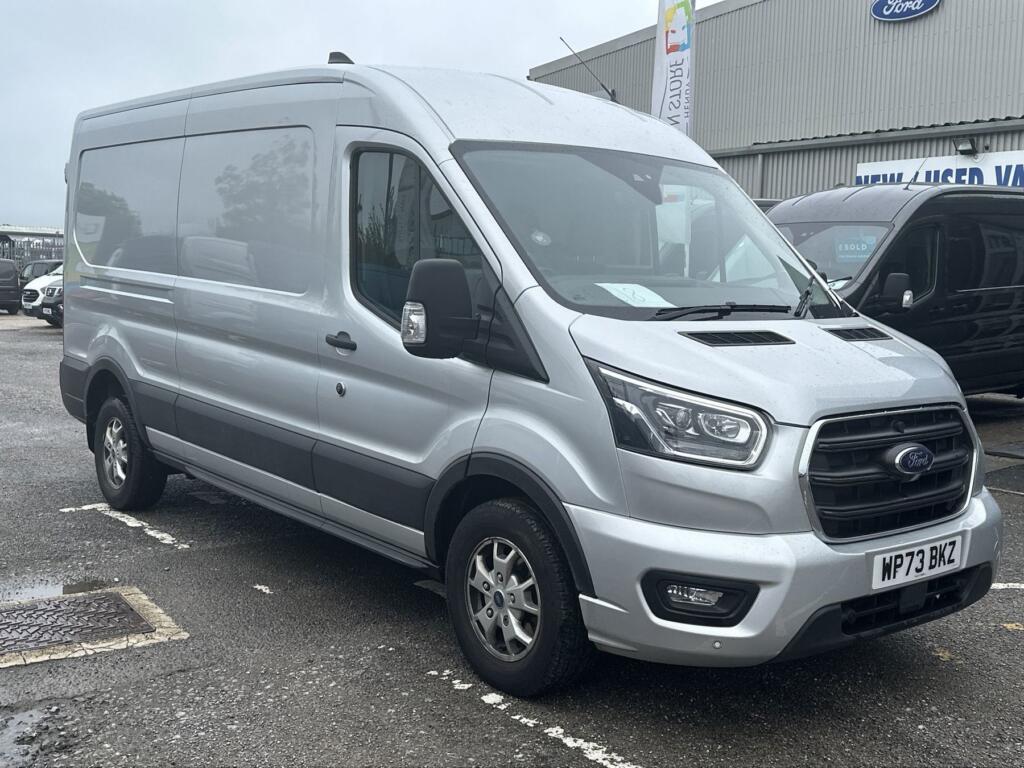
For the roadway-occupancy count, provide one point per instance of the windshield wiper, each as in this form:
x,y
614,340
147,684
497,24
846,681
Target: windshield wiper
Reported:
x,y
805,298
719,310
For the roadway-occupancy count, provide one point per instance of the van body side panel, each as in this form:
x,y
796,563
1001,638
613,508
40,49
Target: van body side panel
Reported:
x,y
119,253
255,180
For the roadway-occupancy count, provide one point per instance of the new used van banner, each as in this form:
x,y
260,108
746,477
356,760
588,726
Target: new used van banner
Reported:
x,y
998,169
673,45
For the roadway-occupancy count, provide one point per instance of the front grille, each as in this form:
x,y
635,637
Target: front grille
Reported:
x,y
29,296
855,489
738,338
877,612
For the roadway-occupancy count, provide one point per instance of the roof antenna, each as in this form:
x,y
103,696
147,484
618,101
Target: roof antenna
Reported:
x,y
916,174
337,57
609,91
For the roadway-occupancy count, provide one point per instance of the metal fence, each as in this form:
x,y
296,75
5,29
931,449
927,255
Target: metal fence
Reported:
x,y
22,250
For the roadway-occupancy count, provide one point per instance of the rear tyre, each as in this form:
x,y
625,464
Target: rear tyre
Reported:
x,y
513,602
13,309
130,477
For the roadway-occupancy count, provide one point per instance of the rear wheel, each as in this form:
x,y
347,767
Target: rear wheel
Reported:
x,y
513,602
130,477
13,309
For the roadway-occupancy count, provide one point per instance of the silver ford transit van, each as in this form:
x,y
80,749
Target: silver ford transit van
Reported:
x,y
532,342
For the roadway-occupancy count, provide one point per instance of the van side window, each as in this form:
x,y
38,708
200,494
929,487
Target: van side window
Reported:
x,y
125,203
985,251
915,253
246,208
400,217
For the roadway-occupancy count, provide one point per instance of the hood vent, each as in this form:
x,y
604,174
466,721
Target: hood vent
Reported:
x,y
859,334
738,338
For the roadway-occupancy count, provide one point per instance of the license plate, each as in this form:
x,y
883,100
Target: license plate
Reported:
x,y
914,563
47,311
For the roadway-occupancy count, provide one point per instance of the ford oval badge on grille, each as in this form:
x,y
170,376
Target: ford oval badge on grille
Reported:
x,y
913,460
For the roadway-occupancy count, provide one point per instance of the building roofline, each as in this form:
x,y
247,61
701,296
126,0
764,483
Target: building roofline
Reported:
x,y
10,229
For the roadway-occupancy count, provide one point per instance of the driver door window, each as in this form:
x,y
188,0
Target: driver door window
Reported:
x,y
916,254
400,217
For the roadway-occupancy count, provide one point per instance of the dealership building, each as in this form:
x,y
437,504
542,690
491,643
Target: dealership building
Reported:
x,y
794,96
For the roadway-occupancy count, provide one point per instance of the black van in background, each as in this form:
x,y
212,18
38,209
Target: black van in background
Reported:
x,y
10,288
941,263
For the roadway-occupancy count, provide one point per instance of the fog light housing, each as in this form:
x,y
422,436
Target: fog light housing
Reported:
x,y
696,599
684,595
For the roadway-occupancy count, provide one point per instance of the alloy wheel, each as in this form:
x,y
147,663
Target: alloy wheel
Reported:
x,y
503,599
115,453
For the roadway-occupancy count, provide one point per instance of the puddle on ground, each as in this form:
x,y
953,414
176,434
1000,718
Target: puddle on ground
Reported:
x,y
17,737
13,592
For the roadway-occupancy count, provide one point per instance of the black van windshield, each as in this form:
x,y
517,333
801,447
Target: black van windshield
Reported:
x,y
627,235
839,249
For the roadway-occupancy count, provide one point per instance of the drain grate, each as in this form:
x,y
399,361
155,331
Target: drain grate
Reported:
x,y
84,618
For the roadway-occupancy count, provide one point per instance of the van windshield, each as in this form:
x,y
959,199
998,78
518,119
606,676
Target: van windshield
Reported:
x,y
626,235
839,249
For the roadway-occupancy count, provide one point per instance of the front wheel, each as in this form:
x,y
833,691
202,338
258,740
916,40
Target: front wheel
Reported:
x,y
513,602
130,477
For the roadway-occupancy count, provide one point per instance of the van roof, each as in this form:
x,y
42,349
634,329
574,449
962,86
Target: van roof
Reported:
x,y
876,202
442,106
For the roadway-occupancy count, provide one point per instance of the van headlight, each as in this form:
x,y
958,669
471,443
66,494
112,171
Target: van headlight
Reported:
x,y
650,418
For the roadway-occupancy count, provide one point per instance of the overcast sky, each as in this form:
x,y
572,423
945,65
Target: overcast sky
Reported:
x,y
63,56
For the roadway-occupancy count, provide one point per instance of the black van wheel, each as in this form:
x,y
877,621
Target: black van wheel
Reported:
x,y
129,475
513,602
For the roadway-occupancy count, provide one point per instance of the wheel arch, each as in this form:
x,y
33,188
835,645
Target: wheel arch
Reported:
x,y
105,376
483,476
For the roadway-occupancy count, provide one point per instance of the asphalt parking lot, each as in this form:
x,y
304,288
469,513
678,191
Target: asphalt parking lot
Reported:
x,y
296,648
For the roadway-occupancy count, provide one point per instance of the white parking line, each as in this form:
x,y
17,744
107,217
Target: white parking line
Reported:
x,y
593,751
1004,490
1008,585
131,522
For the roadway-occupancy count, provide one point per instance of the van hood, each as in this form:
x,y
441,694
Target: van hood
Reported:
x,y
818,375
43,282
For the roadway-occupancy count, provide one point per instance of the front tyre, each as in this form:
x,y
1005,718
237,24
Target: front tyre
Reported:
x,y
130,477
513,602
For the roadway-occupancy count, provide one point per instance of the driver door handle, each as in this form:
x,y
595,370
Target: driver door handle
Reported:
x,y
340,340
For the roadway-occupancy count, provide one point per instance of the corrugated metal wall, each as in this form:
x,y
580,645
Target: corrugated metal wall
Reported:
x,y
787,174
782,70
788,70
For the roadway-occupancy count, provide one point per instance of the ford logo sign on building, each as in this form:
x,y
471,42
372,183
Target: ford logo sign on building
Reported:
x,y
902,10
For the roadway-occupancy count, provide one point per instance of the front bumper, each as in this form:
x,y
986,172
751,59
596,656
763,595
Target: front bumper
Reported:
x,y
799,577
55,307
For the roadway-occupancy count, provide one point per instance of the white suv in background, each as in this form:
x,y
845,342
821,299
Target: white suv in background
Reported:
x,y
32,294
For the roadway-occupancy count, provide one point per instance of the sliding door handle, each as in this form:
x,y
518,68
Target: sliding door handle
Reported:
x,y
341,340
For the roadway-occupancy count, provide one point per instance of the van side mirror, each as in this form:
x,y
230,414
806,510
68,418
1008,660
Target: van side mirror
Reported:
x,y
438,315
896,293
